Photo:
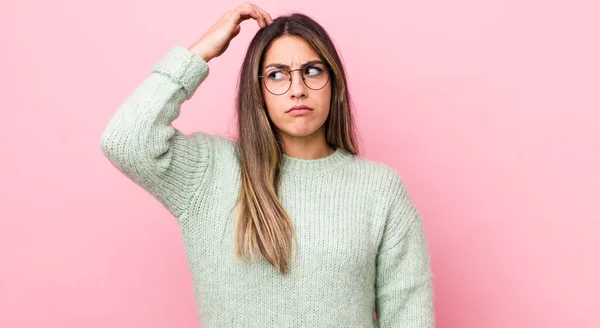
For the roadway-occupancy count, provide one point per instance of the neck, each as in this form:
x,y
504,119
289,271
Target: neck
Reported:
x,y
310,147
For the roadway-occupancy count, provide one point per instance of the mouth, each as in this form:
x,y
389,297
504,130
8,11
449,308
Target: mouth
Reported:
x,y
299,108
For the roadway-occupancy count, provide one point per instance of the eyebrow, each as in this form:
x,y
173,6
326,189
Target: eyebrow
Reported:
x,y
279,65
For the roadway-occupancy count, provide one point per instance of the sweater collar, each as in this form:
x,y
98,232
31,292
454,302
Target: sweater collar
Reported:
x,y
312,166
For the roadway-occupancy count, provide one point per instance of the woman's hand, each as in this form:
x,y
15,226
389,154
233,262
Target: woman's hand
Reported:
x,y
216,40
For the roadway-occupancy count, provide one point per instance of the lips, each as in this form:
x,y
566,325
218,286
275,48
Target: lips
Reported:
x,y
299,107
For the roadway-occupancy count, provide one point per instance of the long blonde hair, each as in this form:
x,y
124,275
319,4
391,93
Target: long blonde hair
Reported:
x,y
262,223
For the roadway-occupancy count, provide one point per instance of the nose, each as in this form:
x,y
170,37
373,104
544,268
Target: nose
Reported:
x,y
298,88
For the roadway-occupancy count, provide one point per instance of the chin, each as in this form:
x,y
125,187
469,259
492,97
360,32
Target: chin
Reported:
x,y
298,132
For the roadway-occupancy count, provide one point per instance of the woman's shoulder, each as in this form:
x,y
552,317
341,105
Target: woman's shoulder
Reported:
x,y
377,170
374,178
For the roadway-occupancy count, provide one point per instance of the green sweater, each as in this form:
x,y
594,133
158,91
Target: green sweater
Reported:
x,y
361,242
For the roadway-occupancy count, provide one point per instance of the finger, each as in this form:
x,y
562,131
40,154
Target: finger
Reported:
x,y
262,22
268,18
245,12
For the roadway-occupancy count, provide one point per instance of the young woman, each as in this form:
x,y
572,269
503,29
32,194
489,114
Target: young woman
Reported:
x,y
285,226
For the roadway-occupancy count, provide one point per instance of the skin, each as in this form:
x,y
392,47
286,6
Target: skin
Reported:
x,y
303,136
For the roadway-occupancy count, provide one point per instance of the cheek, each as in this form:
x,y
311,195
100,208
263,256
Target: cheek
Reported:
x,y
324,98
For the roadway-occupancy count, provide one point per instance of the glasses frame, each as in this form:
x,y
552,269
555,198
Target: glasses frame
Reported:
x,y
328,67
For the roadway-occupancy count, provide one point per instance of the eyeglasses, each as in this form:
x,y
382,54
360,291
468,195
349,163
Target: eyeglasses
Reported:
x,y
279,80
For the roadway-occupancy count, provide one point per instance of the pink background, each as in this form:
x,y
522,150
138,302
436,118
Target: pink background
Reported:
x,y
488,109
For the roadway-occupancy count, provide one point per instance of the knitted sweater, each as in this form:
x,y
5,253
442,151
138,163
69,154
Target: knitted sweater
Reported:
x,y
361,242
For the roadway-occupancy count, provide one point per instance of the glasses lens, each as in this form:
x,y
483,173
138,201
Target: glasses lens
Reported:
x,y
316,76
277,81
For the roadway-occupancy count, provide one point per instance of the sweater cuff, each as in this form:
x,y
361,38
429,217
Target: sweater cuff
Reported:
x,y
183,67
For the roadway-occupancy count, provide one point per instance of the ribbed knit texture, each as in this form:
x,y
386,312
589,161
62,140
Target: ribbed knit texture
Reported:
x,y
361,242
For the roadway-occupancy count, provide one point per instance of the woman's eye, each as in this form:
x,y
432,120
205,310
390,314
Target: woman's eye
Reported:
x,y
276,75
312,71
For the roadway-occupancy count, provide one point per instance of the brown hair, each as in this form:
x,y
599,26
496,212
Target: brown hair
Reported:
x,y
262,223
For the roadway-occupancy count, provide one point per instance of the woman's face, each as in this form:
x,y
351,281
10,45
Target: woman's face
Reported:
x,y
294,52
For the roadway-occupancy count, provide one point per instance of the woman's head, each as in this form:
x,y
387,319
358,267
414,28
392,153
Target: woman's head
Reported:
x,y
298,44
292,74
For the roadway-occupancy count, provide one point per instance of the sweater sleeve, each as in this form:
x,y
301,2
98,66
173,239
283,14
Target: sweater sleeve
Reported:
x,y
404,293
140,141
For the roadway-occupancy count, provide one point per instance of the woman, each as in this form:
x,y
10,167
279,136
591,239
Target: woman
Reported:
x,y
291,180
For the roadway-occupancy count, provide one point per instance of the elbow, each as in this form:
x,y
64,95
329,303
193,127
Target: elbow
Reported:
x,y
115,147
108,143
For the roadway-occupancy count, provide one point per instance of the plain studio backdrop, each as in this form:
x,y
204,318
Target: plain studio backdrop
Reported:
x,y
489,110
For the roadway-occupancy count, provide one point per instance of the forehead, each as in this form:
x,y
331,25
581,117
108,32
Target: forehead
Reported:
x,y
290,50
